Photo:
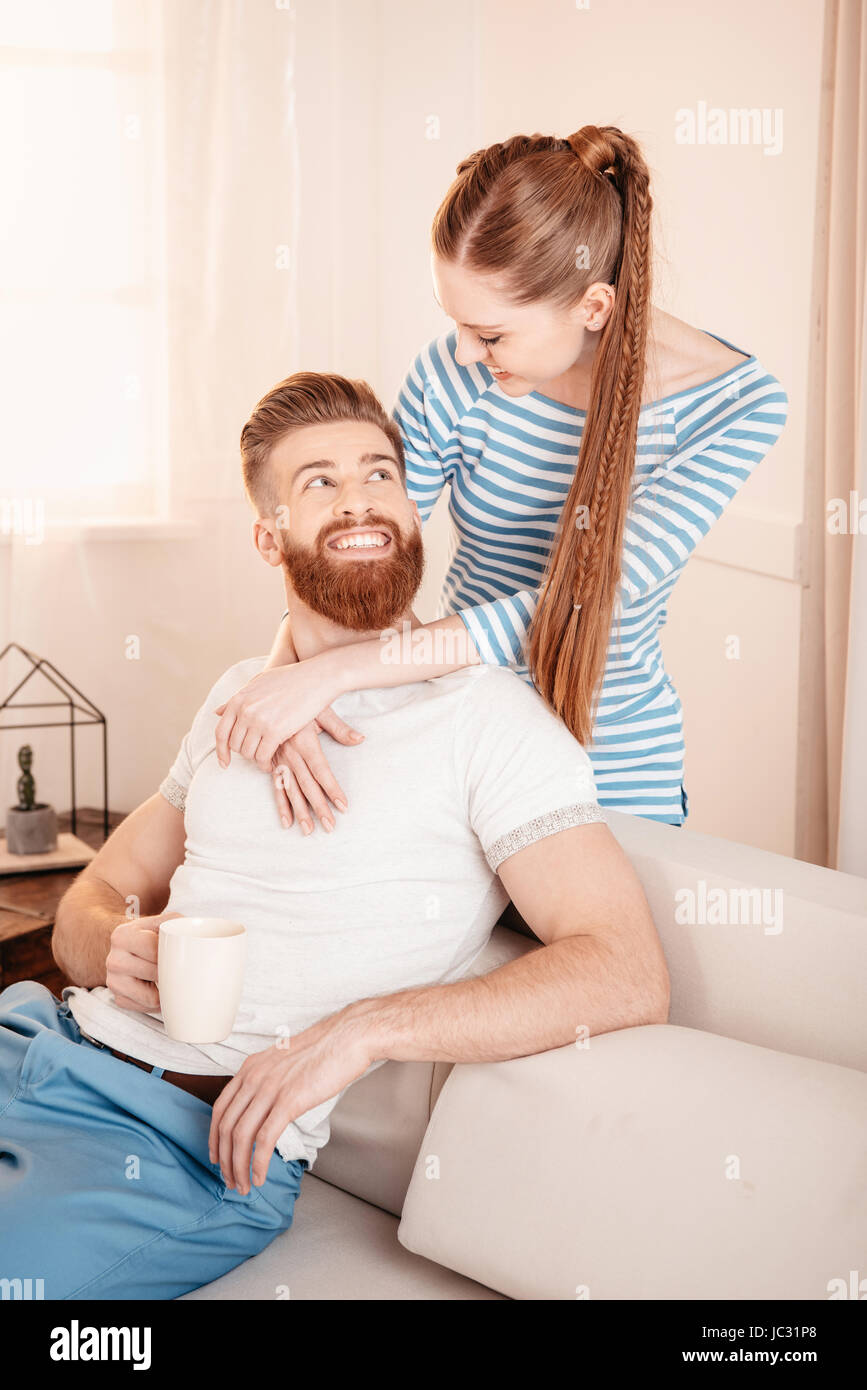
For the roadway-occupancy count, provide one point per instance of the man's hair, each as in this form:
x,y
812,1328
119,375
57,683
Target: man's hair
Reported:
x,y
305,398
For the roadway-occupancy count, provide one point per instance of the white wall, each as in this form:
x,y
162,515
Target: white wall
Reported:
x,y
734,231
734,256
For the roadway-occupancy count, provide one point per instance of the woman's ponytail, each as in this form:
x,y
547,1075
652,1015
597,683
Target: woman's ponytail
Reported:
x,y
525,209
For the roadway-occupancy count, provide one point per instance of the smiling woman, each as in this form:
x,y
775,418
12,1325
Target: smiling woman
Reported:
x,y
587,440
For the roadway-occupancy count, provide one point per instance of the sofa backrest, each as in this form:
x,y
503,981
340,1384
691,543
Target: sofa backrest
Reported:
x,y
786,974
760,947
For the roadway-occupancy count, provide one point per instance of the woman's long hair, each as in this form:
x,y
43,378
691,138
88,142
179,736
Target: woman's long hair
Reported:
x,y
554,216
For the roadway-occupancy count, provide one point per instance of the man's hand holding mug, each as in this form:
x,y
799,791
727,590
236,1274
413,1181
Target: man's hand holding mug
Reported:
x,y
131,963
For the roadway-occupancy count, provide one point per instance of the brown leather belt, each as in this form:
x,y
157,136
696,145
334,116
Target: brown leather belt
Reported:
x,y
207,1088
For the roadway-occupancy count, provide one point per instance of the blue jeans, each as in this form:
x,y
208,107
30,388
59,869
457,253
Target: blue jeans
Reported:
x,y
106,1187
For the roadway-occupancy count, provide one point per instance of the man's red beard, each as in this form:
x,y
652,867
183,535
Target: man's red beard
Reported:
x,y
365,596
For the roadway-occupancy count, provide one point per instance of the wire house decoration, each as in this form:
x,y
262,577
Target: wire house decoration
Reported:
x,y
74,702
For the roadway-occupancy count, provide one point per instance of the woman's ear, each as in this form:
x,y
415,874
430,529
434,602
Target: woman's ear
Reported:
x,y
596,307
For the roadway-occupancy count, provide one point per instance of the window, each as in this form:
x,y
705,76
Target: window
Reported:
x,y
82,328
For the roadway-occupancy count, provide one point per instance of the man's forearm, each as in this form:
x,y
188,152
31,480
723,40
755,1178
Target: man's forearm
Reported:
x,y
573,988
88,913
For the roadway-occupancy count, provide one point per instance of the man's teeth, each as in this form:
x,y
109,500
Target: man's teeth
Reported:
x,y
364,542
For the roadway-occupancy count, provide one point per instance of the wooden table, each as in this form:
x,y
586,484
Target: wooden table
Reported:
x,y
28,903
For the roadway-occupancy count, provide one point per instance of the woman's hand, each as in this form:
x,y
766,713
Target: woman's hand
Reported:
x,y
302,778
273,706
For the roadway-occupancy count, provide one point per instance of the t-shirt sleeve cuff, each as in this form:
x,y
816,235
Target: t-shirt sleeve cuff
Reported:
x,y
173,792
579,813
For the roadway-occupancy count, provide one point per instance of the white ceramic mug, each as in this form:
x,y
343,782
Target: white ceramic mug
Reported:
x,y
200,968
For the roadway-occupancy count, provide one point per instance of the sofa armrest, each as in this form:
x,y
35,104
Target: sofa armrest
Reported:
x,y
654,1162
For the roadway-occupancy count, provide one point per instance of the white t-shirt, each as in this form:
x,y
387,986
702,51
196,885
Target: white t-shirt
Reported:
x,y
454,776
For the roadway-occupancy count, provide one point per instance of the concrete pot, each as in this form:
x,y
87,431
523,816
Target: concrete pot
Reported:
x,y
31,832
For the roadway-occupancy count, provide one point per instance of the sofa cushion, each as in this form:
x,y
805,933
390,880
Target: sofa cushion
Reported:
x,y
656,1162
339,1248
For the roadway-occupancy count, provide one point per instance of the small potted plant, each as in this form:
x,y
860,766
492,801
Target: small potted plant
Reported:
x,y
31,826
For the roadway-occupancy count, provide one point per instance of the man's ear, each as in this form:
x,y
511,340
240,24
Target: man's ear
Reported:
x,y
416,515
266,538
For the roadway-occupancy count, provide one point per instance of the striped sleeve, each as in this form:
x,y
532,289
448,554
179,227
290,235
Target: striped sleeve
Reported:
x,y
721,439
501,629
432,400
425,426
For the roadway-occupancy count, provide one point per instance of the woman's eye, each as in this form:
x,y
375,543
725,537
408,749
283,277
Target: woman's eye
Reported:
x,y
383,473
321,479
489,341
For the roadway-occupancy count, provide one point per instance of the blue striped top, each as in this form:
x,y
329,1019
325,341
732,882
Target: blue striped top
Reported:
x,y
509,462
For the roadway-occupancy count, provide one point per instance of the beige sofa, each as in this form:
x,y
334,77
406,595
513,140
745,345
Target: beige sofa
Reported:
x,y
721,1155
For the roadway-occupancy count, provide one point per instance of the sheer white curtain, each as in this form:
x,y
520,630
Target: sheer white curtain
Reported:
x,y
147,248
147,272
831,793
846,472
852,845
231,228
81,360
